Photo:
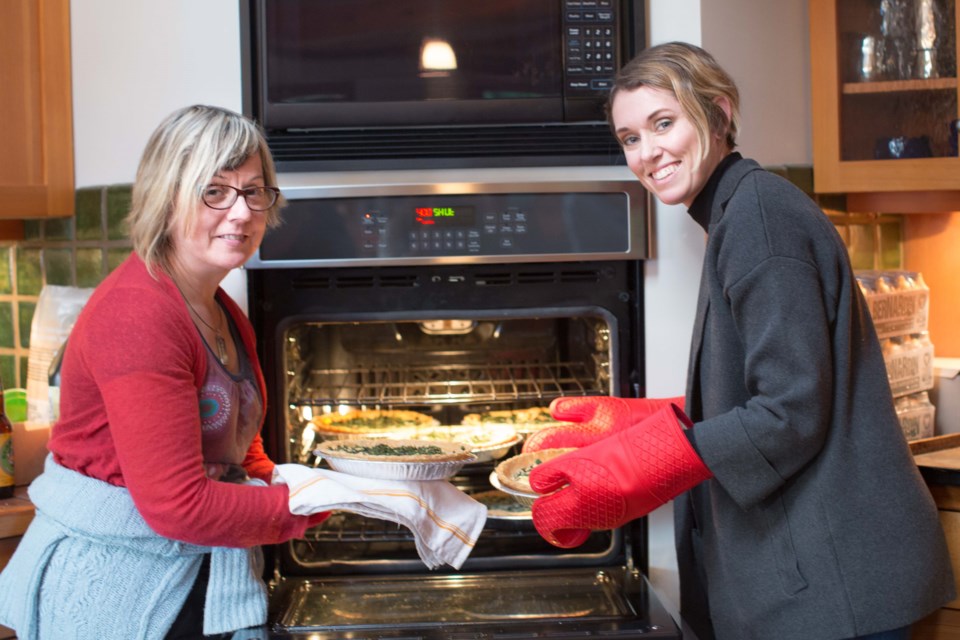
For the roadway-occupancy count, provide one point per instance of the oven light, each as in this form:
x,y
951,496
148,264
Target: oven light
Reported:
x,y
447,327
437,57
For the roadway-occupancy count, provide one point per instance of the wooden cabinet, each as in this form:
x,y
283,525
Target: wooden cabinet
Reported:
x,y
36,113
885,97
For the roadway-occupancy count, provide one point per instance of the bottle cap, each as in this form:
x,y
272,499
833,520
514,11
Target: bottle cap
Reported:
x,y
15,404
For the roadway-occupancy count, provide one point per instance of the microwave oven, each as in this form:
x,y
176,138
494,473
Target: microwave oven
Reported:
x,y
347,80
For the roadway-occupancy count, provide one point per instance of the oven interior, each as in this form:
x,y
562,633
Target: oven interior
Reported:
x,y
446,368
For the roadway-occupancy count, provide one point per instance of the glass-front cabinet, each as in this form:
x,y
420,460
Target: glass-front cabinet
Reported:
x,y
885,95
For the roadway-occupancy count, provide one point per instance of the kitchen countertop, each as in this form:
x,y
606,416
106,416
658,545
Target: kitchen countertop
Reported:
x,y
938,459
15,514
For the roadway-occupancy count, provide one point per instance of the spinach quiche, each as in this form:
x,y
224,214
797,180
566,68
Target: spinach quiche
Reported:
x,y
387,450
395,459
363,422
525,421
500,505
514,473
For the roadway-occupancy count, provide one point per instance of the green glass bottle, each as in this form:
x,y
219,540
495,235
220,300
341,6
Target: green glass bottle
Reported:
x,y
6,451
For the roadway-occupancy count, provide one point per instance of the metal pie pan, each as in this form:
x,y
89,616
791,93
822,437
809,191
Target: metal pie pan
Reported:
x,y
522,497
503,517
390,470
497,451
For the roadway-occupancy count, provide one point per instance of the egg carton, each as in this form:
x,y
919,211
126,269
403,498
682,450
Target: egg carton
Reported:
x,y
917,415
899,301
909,362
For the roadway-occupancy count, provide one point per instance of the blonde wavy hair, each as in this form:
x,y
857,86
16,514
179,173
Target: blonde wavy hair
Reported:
x,y
695,78
183,154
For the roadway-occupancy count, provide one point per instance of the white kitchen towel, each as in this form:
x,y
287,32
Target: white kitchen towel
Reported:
x,y
445,521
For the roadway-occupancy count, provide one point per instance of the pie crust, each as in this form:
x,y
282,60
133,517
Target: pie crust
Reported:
x,y
514,473
524,420
375,449
475,437
365,421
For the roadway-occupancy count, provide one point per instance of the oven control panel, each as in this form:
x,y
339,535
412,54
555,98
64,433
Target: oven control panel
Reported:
x,y
495,227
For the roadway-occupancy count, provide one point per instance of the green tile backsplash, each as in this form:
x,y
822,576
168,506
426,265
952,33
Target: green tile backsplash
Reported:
x,y
118,204
78,251
7,339
29,276
25,311
6,281
8,368
59,266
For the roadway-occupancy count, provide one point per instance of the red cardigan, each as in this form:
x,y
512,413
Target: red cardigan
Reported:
x,y
129,415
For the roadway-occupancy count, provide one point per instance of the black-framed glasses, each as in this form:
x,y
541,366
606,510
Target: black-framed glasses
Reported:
x,y
223,196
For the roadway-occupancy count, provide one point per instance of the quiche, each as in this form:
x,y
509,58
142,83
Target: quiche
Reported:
x,y
514,473
361,422
374,449
476,438
525,421
500,505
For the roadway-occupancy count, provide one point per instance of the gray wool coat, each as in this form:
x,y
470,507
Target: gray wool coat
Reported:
x,y
817,524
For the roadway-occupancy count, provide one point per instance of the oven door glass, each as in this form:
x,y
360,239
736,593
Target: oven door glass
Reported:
x,y
608,601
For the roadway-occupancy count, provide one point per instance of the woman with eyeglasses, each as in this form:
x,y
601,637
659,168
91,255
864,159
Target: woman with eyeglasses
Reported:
x,y
156,493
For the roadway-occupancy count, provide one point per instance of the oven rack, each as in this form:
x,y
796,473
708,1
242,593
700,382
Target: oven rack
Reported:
x,y
345,527
448,384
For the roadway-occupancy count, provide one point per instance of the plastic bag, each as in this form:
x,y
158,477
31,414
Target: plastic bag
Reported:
x,y
57,311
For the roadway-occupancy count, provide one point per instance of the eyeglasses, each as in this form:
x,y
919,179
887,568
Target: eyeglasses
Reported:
x,y
223,196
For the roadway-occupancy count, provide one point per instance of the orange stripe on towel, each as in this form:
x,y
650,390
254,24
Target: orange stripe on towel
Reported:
x,y
306,485
452,528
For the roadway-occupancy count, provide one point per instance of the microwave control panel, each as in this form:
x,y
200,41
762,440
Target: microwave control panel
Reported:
x,y
475,227
590,46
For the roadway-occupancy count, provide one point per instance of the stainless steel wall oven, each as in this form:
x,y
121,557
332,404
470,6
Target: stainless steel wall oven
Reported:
x,y
447,296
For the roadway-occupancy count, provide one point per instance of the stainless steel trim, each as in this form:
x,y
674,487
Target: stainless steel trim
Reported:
x,y
298,186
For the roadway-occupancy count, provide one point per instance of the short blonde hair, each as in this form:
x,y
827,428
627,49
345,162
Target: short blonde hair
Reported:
x,y
183,154
695,78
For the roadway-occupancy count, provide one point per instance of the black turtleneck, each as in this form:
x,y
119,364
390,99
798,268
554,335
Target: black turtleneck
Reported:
x,y
700,208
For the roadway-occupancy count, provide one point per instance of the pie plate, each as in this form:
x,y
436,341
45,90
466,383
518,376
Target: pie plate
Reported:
x,y
486,442
392,469
524,498
385,470
502,507
497,451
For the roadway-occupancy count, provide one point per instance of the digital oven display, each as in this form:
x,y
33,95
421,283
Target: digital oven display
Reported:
x,y
445,216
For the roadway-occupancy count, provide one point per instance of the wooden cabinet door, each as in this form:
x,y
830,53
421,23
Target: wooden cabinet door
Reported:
x,y
36,112
882,128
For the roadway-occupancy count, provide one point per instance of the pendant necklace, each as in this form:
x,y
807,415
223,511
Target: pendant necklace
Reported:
x,y
222,354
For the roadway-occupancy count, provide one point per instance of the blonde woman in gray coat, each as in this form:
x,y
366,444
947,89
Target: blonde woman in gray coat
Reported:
x,y
800,514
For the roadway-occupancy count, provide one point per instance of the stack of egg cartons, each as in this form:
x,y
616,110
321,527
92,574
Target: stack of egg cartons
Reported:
x,y
899,302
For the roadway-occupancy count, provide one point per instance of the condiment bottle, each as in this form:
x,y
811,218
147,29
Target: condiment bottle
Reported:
x,y
6,451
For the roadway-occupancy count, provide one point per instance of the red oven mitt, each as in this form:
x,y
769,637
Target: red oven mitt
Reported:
x,y
615,480
596,416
